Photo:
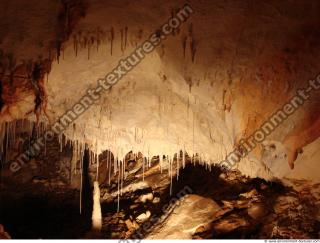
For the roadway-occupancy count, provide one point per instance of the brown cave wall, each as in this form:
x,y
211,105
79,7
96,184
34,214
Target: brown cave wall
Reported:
x,y
26,61
265,52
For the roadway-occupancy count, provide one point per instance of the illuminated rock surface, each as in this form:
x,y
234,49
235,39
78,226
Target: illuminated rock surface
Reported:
x,y
217,80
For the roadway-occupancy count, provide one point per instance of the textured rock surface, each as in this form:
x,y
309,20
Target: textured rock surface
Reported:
x,y
292,212
211,84
220,77
194,211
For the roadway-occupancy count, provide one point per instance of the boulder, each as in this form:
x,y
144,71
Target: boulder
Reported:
x,y
190,213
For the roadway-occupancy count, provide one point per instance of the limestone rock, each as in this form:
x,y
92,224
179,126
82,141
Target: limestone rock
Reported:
x,y
191,212
143,217
249,194
156,200
229,224
258,210
146,197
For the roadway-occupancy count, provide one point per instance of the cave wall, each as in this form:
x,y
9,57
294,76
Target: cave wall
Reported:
x,y
211,84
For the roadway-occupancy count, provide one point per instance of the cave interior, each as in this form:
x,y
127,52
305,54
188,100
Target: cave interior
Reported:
x,y
159,119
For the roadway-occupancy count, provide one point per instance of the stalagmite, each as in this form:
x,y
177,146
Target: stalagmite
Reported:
x,y
164,102
122,175
96,212
97,164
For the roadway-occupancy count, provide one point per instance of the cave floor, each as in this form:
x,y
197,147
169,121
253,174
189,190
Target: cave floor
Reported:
x,y
245,208
203,204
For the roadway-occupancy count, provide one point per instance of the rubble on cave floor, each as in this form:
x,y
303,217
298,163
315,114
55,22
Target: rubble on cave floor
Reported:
x,y
196,202
236,207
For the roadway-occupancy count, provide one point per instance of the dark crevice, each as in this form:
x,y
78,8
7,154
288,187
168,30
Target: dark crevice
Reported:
x,y
36,77
87,202
1,99
48,215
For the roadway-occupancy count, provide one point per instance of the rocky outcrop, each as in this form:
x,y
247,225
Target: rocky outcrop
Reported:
x,y
194,211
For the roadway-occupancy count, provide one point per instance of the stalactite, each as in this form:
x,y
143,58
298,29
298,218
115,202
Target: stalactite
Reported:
x,y
111,40
125,37
143,169
183,159
184,45
89,45
193,133
7,140
109,161
2,135
75,45
60,142
118,205
98,39
58,50
14,131
178,166
73,162
170,173
122,174
97,160
81,181
121,40
62,53
114,165
124,168
193,49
